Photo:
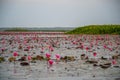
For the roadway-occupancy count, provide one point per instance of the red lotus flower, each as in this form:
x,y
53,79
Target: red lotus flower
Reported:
x,y
94,54
50,62
48,55
113,62
15,54
29,58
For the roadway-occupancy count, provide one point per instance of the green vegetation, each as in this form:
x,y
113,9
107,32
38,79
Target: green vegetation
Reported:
x,y
2,59
96,29
17,29
11,59
48,29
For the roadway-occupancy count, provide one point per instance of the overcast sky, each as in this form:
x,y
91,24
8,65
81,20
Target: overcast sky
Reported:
x,y
58,13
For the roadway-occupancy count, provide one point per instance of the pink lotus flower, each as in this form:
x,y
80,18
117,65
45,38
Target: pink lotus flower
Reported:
x,y
15,54
28,47
50,62
114,62
2,49
94,54
110,49
105,46
29,58
51,49
3,42
48,55
87,48
57,56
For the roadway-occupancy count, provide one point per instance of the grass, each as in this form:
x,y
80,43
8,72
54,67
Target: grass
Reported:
x,y
96,29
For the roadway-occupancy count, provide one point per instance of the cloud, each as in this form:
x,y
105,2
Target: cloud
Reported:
x,y
53,2
40,1
59,12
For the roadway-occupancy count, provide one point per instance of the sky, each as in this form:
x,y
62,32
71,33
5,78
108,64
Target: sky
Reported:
x,y
58,13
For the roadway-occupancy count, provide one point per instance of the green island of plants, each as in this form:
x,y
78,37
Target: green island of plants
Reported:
x,y
96,29
17,29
